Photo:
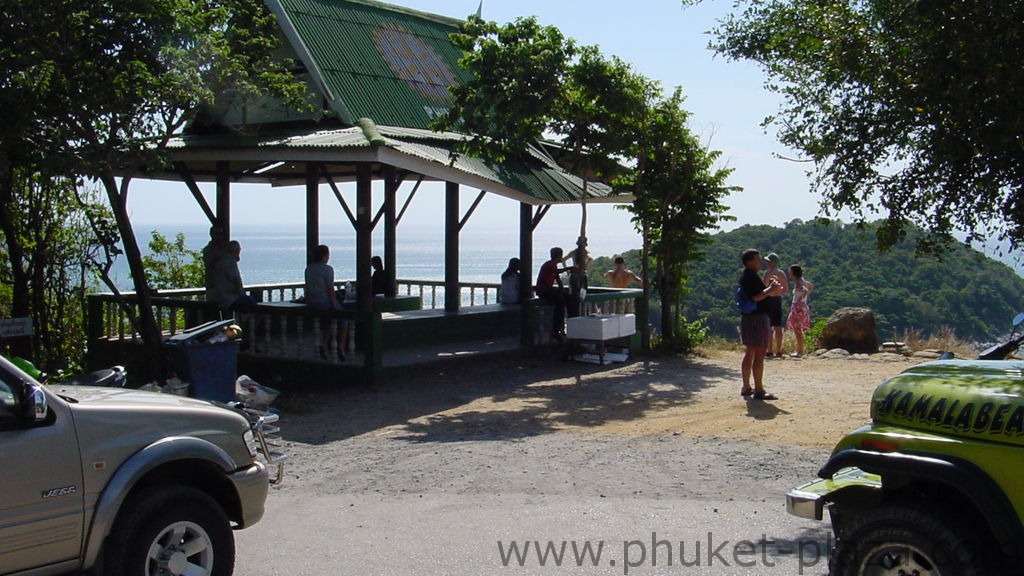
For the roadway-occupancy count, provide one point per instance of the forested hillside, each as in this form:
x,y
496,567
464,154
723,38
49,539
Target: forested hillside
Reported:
x,y
975,295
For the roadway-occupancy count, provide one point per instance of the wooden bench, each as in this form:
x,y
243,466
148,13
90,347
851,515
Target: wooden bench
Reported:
x,y
417,327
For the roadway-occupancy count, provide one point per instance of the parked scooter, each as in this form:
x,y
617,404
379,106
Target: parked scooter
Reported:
x,y
1002,351
113,377
999,351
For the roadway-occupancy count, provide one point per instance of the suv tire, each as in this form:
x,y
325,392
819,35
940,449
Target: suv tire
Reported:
x,y
906,539
166,529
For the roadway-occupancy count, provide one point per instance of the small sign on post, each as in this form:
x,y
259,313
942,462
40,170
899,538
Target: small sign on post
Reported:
x,y
15,327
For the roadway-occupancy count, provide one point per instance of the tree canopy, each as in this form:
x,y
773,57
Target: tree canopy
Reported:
x,y
96,89
911,110
529,82
679,193
519,71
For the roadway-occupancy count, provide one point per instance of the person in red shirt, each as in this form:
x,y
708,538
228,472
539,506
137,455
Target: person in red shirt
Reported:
x,y
550,289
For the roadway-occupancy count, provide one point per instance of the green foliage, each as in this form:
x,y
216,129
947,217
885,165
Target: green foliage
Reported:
x,y
109,80
600,114
45,266
691,334
909,109
812,334
529,82
170,265
961,288
679,199
97,89
518,76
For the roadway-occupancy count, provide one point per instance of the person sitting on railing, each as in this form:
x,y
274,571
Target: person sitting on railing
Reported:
x,y
212,252
550,289
228,290
510,280
379,280
320,295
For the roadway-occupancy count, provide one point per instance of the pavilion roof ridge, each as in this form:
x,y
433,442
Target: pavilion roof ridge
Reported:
x,y
405,10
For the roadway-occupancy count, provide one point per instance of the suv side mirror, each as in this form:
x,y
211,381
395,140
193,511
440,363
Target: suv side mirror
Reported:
x,y
33,406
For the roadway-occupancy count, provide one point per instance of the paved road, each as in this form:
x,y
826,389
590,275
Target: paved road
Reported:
x,y
662,505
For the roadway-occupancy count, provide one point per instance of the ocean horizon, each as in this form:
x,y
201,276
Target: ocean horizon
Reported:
x,y
273,254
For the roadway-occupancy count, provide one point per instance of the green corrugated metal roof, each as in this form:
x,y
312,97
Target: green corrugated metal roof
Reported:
x,y
392,65
375,60
536,176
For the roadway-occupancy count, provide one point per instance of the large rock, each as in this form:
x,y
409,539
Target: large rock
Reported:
x,y
851,329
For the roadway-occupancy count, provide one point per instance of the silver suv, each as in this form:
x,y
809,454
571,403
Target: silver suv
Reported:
x,y
123,482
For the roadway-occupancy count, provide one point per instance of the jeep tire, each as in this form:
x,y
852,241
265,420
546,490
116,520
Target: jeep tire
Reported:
x,y
166,529
908,539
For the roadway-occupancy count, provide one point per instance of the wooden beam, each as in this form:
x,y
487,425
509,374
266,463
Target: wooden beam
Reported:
x,y
526,271
383,207
542,211
193,187
364,240
452,294
472,209
337,194
377,217
224,196
405,206
391,184
312,208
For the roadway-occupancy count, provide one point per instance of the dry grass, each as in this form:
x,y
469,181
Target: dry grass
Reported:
x,y
717,343
941,339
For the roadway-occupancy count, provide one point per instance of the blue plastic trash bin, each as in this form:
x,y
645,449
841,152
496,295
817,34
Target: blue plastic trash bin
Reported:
x,y
210,367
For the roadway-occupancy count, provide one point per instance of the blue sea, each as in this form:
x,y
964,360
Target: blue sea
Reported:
x,y
274,254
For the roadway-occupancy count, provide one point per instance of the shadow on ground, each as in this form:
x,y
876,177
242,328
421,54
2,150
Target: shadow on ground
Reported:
x,y
763,410
499,399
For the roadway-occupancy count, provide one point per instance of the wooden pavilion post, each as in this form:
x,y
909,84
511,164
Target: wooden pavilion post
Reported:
x,y
526,271
364,238
312,208
369,331
452,294
224,197
391,223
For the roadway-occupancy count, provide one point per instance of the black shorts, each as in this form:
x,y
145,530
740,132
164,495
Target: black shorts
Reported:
x,y
773,307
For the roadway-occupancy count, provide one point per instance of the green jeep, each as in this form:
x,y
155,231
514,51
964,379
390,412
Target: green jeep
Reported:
x,y
933,484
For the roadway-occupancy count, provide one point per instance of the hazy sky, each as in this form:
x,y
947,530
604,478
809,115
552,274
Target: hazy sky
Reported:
x,y
662,40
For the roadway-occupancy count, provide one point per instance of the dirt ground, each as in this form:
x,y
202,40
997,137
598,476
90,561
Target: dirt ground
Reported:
x,y
819,401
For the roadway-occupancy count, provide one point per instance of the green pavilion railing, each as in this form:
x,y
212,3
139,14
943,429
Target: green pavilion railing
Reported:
x,y
284,329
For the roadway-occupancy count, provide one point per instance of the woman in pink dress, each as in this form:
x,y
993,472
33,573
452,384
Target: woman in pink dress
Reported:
x,y
799,312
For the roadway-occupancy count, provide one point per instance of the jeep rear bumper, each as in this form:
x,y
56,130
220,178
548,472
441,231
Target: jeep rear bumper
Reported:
x,y
251,483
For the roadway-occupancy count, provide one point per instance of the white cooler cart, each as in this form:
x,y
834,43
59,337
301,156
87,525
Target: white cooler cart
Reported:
x,y
599,331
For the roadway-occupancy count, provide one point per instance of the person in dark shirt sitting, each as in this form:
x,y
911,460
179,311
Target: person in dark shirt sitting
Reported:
x,y
379,280
550,289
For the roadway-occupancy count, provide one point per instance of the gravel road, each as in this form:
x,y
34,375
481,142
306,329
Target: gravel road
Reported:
x,y
528,466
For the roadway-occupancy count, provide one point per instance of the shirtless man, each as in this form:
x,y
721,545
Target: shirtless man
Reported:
x,y
773,303
621,277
